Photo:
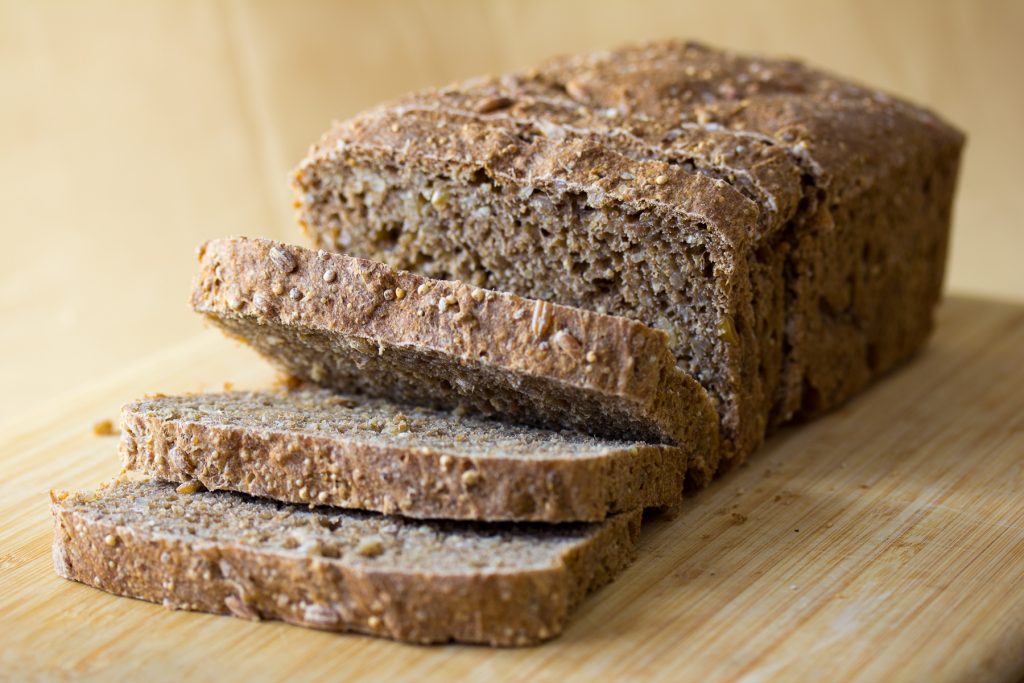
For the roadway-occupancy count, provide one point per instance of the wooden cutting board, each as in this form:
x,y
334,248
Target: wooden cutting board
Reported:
x,y
884,542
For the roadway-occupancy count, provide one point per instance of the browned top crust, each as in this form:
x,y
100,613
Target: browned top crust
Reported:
x,y
840,129
721,139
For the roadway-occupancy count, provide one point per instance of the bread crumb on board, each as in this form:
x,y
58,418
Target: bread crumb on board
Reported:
x,y
189,487
105,428
371,546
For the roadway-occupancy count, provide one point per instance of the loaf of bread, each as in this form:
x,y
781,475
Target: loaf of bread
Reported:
x,y
313,446
641,261
787,228
362,327
338,570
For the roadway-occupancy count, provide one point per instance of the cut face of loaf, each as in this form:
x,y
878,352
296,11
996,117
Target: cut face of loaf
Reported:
x,y
314,446
337,570
560,241
361,327
786,227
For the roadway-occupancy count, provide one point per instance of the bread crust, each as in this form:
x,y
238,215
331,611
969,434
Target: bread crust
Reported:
x,y
360,326
218,441
101,541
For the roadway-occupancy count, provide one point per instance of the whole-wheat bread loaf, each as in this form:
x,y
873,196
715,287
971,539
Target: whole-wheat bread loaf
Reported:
x,y
788,228
313,446
362,327
333,569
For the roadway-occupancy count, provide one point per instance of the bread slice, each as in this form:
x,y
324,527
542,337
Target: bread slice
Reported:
x,y
363,327
313,446
422,582
789,227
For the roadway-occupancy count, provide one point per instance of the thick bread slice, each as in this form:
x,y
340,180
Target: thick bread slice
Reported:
x,y
336,570
363,327
313,446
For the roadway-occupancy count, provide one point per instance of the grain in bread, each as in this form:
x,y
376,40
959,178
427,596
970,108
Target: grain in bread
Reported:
x,y
415,581
316,447
787,227
362,327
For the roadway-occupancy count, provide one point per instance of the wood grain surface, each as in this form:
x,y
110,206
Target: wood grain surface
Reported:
x,y
132,131
884,542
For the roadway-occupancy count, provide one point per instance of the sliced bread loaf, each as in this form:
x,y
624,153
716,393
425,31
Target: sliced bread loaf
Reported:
x,y
313,446
363,327
336,570
788,226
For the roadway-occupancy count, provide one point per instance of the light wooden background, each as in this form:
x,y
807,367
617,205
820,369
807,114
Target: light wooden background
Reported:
x,y
132,130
